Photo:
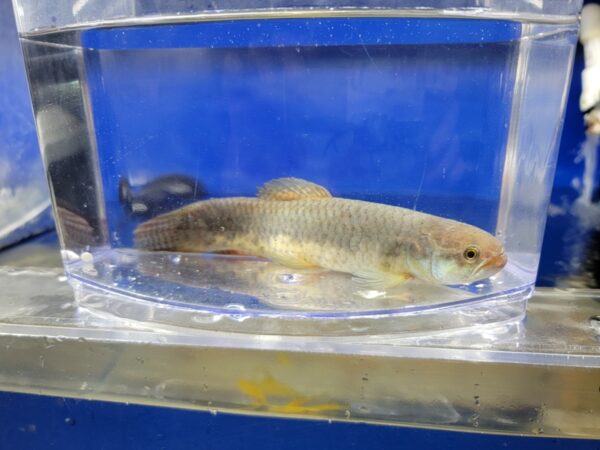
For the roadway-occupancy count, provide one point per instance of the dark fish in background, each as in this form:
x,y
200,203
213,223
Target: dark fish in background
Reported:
x,y
160,195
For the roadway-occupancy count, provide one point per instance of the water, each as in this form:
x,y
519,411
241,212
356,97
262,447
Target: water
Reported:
x,y
428,113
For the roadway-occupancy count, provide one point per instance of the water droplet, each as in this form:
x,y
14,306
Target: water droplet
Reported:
x,y
236,307
290,278
176,259
87,257
159,390
69,421
61,278
213,412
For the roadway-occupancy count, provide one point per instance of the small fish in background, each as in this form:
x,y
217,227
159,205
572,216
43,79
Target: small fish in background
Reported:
x,y
160,195
301,225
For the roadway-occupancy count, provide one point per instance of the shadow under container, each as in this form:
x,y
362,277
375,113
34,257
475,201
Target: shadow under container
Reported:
x,y
452,108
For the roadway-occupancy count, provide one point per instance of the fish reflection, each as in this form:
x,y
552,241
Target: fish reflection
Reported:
x,y
160,195
76,230
277,286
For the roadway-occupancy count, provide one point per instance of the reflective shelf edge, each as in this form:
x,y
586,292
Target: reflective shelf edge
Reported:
x,y
539,377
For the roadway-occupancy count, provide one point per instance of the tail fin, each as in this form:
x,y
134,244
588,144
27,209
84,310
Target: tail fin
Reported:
x,y
165,232
198,227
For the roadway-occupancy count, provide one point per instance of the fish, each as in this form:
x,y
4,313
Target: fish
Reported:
x,y
160,195
300,225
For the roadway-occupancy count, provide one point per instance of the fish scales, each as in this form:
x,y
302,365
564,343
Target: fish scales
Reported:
x,y
323,232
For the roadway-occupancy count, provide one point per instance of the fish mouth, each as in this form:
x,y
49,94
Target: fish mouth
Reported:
x,y
494,264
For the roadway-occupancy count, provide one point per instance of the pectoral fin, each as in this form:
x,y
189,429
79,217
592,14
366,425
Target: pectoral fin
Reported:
x,y
287,189
380,280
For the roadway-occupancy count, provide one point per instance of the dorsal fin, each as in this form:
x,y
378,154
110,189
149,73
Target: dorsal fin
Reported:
x,y
286,189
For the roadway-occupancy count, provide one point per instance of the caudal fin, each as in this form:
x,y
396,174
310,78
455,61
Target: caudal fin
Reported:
x,y
165,232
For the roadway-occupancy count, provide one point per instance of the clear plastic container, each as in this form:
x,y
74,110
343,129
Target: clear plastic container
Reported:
x,y
24,199
444,107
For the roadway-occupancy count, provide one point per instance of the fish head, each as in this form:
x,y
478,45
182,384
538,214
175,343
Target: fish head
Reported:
x,y
462,254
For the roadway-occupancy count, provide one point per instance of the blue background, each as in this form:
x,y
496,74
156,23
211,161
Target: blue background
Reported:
x,y
37,422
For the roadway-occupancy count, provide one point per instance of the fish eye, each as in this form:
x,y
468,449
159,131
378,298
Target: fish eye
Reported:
x,y
471,253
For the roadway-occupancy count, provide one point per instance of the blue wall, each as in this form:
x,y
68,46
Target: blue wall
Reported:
x,y
36,422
